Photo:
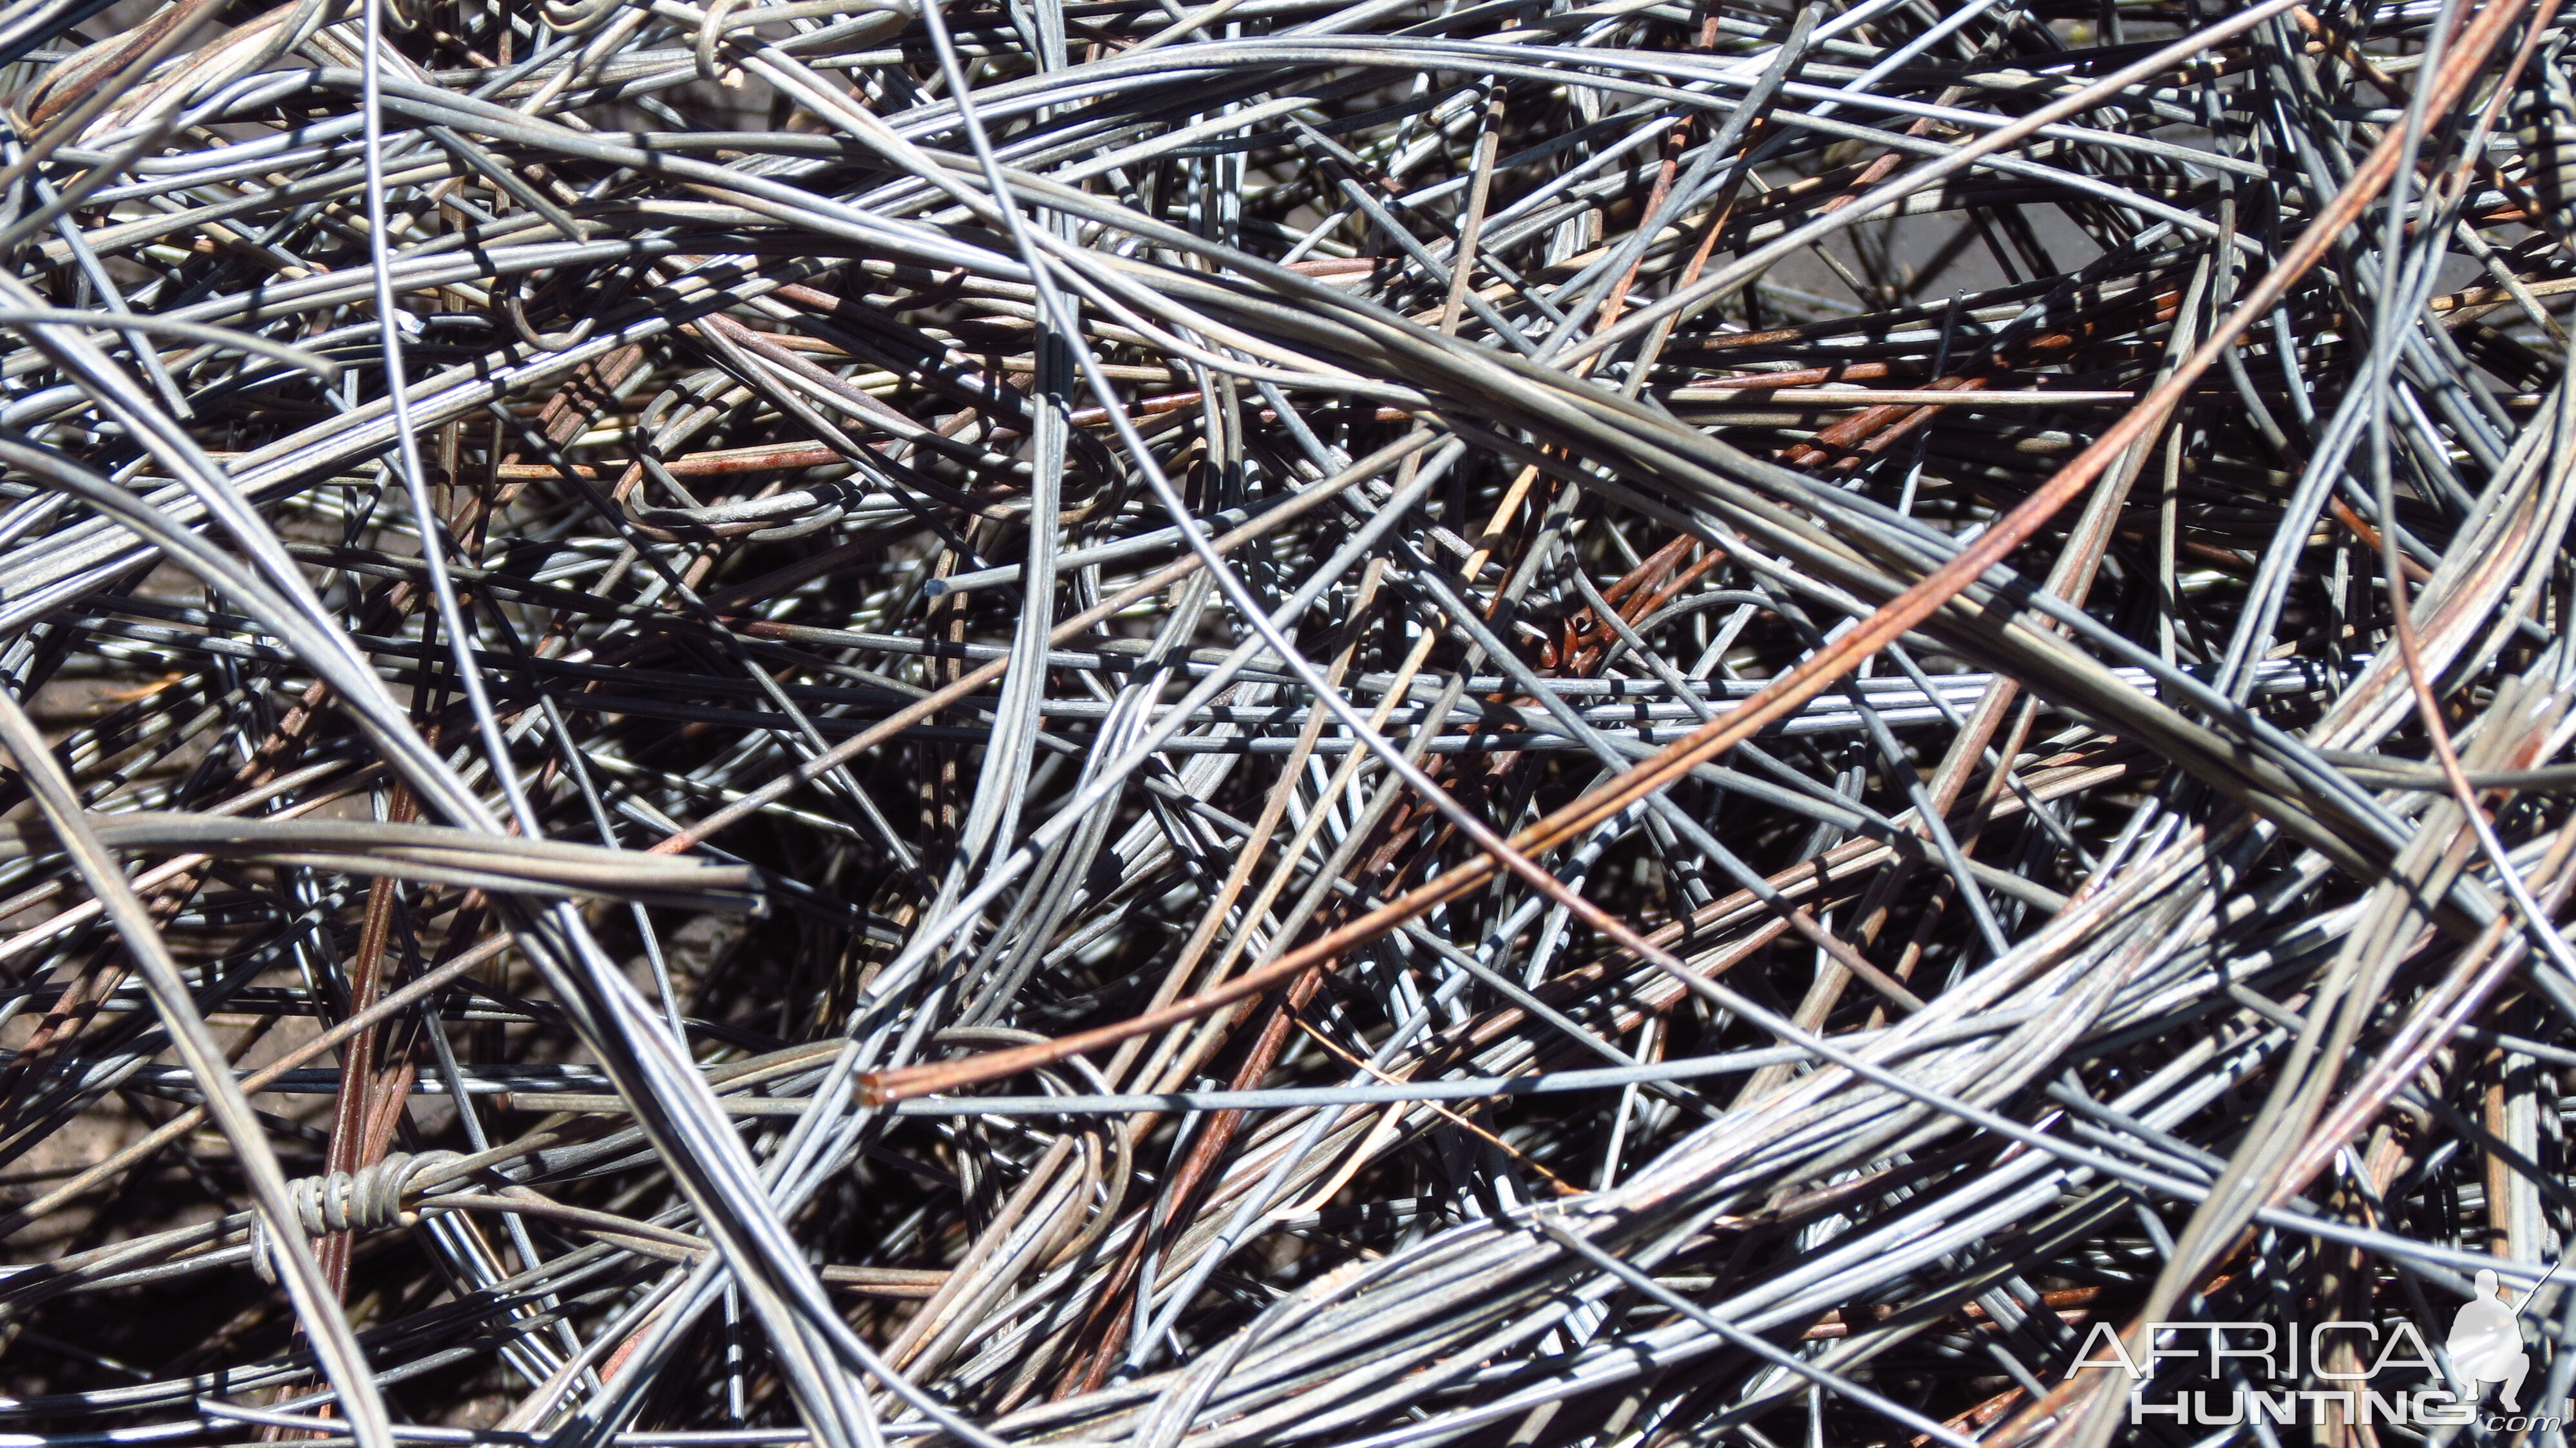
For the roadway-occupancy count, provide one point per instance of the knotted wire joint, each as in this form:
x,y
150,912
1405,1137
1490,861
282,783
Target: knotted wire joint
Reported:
x,y
369,1199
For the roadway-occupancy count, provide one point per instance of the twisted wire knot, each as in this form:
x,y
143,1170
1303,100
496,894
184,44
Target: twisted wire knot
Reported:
x,y
369,1199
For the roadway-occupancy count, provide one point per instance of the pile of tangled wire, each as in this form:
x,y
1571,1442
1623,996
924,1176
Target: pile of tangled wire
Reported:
x,y
1198,722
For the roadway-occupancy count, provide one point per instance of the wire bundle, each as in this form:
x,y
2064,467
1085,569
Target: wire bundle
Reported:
x,y
1384,722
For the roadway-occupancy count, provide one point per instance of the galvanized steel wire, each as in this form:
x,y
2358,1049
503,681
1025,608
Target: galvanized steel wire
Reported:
x,y
1379,722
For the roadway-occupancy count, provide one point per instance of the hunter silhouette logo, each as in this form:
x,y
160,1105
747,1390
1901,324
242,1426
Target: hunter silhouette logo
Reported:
x,y
2486,1343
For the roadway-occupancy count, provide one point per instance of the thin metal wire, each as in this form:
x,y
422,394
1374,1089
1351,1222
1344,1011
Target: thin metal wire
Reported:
x,y
1279,721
